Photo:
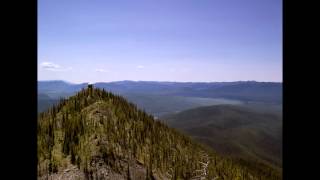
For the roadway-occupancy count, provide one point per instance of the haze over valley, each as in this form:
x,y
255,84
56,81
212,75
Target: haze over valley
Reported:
x,y
236,119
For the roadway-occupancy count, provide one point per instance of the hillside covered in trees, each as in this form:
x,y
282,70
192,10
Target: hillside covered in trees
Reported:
x,y
234,130
97,135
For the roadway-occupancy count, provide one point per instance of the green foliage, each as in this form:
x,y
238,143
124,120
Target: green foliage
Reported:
x,y
253,133
97,125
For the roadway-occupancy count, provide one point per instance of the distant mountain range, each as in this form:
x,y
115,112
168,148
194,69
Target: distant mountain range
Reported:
x,y
180,95
243,90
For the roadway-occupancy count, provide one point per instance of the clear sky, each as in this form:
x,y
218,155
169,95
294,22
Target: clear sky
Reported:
x,y
159,40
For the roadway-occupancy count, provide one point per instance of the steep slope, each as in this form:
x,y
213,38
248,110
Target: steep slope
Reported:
x,y
97,135
240,131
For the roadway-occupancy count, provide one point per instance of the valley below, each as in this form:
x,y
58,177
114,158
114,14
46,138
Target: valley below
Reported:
x,y
158,130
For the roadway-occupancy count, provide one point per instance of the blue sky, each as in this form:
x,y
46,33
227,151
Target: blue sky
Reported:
x,y
159,40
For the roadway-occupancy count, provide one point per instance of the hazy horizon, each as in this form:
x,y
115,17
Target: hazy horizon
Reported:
x,y
176,41
159,81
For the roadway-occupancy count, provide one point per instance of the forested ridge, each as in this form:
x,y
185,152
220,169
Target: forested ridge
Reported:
x,y
96,129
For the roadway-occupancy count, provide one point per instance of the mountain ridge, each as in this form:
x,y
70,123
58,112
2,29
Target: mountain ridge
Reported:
x,y
96,134
237,130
